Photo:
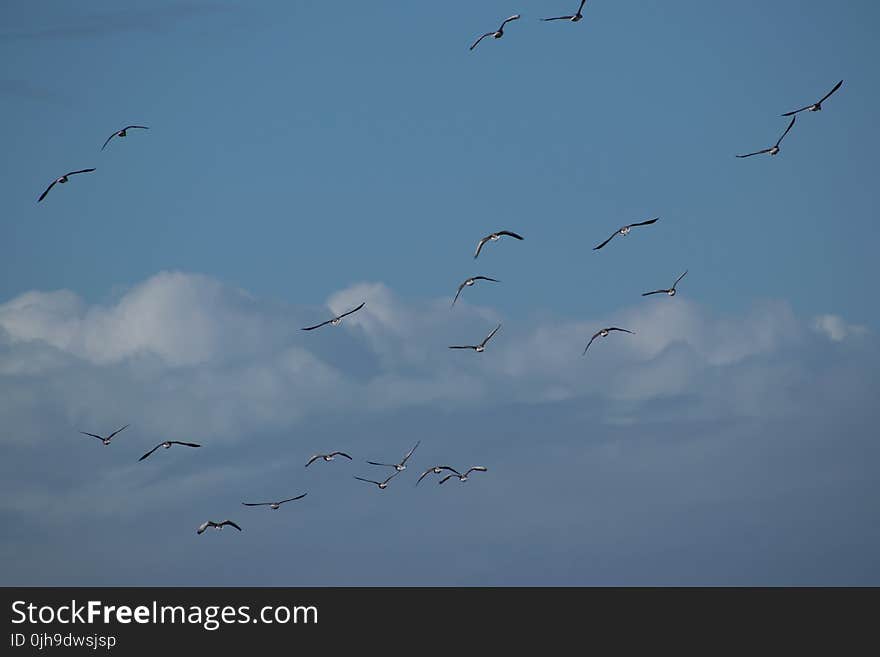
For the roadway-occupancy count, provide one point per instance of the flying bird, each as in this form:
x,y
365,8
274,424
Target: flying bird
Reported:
x,y
167,445
437,469
63,179
336,320
122,133
774,149
463,477
817,106
327,457
603,333
381,484
106,440
494,237
275,505
469,282
479,348
398,466
574,19
216,525
624,230
497,33
670,291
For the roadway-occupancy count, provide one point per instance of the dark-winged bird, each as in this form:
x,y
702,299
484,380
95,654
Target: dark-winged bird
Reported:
x,y
437,469
464,477
123,133
470,281
479,348
327,457
494,237
604,333
63,179
624,230
104,440
336,320
381,484
275,505
774,149
574,19
497,33
216,525
817,106
167,445
402,465
670,291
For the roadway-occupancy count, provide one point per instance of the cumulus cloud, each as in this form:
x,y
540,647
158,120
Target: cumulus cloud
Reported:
x,y
199,357
835,328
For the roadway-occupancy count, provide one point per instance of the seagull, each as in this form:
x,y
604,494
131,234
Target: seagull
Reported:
x,y
63,179
670,291
471,281
122,133
604,333
774,149
494,237
215,525
167,444
464,477
336,320
497,34
275,505
327,457
625,231
816,107
106,440
479,348
437,469
381,484
398,466
574,19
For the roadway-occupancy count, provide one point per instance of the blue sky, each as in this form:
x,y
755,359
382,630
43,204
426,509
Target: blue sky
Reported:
x,y
301,160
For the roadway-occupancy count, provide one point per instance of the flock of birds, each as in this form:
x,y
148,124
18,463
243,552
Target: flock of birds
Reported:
x,y
468,282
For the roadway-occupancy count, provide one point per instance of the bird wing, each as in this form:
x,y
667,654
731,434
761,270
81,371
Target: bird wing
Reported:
x,y
467,346
460,288
825,97
647,294
476,468
614,328
479,244
790,125
73,173
142,127
445,478
391,477
291,499
678,280
93,435
229,522
204,526
389,465
43,195
486,278
313,459
793,112
766,150
410,453
480,39
369,481
424,474
489,337
178,442
108,140
507,20
558,18
150,452
644,223
341,454
596,248
117,431
590,342
311,328
511,234
353,310
581,7
256,503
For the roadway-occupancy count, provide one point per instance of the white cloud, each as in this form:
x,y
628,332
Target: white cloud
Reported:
x,y
835,328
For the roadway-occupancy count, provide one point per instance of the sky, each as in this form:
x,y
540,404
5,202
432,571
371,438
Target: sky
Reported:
x,y
301,160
